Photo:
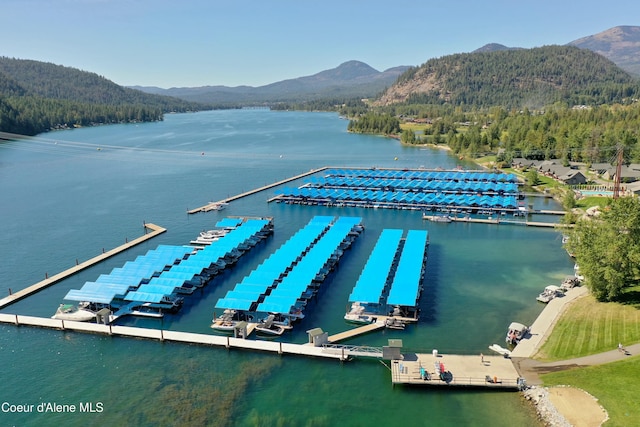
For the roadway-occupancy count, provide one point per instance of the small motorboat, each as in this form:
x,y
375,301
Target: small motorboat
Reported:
x,y
549,293
393,323
357,315
226,322
78,313
269,326
515,333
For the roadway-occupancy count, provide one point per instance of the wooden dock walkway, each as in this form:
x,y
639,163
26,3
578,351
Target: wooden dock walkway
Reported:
x,y
381,321
459,371
175,336
212,205
356,331
48,281
498,221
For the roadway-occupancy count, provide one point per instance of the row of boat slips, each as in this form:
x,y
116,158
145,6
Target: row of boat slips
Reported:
x,y
290,276
416,184
153,280
393,274
435,175
395,199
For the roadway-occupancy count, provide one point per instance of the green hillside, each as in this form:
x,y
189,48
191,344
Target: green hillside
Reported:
x,y
520,78
37,96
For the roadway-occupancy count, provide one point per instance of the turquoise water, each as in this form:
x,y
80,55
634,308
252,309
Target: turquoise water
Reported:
x,y
68,195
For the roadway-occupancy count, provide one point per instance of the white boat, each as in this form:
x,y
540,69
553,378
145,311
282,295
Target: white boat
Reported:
x,y
393,323
549,293
437,218
516,332
500,350
71,312
208,237
226,322
269,326
357,315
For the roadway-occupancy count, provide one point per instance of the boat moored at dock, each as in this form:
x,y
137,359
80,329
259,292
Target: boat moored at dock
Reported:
x,y
550,292
79,313
516,332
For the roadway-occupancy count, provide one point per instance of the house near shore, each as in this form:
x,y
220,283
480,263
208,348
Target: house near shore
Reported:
x,y
569,175
628,173
573,177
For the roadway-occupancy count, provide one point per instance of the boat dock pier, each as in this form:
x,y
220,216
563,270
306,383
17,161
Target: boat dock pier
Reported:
x,y
213,205
380,323
451,370
498,221
48,281
176,336
493,372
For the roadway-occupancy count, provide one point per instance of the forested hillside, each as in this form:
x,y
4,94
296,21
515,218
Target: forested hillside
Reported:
x,y
38,96
519,78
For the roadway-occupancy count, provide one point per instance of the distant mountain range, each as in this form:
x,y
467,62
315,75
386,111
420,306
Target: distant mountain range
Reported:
x,y
355,79
348,80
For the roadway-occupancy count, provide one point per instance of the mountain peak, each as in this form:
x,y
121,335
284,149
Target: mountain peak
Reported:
x,y
493,47
350,70
618,44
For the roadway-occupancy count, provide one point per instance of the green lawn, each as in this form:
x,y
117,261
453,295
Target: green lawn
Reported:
x,y
589,327
587,202
615,385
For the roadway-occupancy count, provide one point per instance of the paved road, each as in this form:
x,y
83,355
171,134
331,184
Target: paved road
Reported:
x,y
531,369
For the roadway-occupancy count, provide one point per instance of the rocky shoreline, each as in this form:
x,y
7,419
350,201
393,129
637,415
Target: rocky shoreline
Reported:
x,y
583,409
548,413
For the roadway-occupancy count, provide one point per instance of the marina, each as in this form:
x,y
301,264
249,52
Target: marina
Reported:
x,y
152,283
252,386
280,287
385,296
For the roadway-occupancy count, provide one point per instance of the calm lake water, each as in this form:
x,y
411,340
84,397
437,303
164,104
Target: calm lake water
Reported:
x,y
68,195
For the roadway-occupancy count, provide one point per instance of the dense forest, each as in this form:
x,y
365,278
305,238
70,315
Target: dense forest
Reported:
x,y
587,107
585,134
37,96
524,78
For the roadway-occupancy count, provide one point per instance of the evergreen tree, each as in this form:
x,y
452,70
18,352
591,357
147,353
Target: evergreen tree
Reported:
x,y
607,249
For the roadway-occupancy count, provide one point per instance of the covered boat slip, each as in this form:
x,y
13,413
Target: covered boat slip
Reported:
x,y
405,289
436,175
395,265
156,277
276,266
408,189
425,185
396,199
375,276
288,277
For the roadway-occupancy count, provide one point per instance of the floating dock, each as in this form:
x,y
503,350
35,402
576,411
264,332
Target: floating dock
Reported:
x,y
498,220
216,205
155,230
416,189
448,370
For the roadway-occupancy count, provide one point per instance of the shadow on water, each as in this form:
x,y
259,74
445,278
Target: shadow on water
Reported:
x,y
429,299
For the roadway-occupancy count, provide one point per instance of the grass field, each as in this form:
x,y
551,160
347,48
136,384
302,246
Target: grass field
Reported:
x,y
615,386
589,327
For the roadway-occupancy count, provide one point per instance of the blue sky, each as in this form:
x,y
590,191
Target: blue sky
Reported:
x,y
190,43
